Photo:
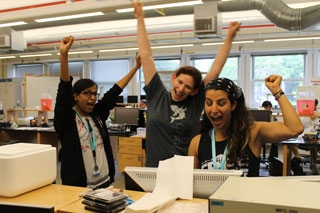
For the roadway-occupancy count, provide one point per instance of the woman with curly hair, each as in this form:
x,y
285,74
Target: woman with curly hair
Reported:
x,y
229,133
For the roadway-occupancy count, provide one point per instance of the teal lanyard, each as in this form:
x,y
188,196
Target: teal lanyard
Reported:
x,y
90,130
214,157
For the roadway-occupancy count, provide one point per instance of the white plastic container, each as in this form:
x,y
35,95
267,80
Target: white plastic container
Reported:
x,y
26,166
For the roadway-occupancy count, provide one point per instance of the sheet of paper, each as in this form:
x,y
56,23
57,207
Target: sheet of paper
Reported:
x,y
175,177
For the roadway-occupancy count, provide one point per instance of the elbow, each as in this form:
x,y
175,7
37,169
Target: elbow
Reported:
x,y
299,130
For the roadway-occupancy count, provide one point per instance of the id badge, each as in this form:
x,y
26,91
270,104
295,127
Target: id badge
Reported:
x,y
95,170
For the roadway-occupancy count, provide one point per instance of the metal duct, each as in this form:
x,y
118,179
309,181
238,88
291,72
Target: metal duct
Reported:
x,y
277,12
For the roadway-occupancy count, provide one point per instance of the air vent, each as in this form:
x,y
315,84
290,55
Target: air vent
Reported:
x,y
4,41
205,25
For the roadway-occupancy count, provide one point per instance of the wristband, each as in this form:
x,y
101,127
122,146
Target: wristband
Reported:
x,y
278,95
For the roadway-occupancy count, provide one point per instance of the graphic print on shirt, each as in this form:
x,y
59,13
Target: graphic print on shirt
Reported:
x,y
178,113
209,165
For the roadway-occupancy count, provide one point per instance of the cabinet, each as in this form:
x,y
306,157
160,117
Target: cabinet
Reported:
x,y
131,152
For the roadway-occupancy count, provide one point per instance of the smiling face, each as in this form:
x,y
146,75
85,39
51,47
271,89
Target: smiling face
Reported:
x,y
182,87
85,100
218,109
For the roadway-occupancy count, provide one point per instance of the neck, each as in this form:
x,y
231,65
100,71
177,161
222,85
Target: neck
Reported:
x,y
220,135
80,112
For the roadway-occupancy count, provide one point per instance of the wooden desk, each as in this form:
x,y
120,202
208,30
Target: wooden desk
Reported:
x,y
198,204
287,153
66,198
55,195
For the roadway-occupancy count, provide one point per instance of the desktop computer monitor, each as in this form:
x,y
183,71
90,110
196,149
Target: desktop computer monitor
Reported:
x,y
261,115
132,99
128,116
120,99
205,182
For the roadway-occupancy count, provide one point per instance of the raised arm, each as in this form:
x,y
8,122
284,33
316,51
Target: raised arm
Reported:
x,y
122,83
291,125
149,68
223,53
65,46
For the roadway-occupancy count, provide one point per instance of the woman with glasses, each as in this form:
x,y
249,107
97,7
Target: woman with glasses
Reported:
x,y
79,119
229,135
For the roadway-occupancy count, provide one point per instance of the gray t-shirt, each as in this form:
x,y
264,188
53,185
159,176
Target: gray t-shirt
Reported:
x,y
170,125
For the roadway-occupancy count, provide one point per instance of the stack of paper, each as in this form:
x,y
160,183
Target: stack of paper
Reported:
x,y
169,186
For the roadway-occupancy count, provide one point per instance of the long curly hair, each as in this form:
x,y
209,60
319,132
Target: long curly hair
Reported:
x,y
241,120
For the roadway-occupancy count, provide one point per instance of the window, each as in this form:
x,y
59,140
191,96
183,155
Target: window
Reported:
x,y
75,68
106,73
22,69
230,69
290,66
165,67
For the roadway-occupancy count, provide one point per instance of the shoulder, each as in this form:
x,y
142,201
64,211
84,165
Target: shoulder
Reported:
x,y
194,144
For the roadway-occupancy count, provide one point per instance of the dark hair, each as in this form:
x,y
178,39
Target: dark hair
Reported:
x,y
241,120
83,84
192,71
266,104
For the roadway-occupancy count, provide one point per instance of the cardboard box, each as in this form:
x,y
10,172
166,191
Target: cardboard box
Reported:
x,y
26,166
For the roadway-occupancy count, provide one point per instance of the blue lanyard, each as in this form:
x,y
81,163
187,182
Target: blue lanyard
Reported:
x,y
90,130
214,157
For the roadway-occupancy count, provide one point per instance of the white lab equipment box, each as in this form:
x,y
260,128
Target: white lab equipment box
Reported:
x,y
266,194
26,166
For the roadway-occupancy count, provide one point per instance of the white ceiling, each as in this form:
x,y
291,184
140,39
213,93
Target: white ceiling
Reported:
x,y
119,30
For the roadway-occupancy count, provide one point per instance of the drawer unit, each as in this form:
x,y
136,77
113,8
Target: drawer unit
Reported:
x,y
130,145
128,160
130,152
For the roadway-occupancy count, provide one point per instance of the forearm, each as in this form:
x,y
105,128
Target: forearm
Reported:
x,y
122,83
64,68
219,60
149,68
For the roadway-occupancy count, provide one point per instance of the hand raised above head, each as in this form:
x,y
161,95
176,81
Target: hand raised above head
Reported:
x,y
273,83
66,44
234,26
138,9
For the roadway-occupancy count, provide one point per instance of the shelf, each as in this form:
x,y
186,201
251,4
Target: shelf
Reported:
x,y
14,112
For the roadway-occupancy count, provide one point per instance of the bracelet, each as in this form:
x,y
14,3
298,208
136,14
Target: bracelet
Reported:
x,y
277,92
278,95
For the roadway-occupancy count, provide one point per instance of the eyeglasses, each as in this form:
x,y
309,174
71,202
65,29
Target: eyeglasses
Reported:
x,y
89,94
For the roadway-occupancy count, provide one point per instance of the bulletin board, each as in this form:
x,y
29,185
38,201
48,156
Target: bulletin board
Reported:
x,y
35,86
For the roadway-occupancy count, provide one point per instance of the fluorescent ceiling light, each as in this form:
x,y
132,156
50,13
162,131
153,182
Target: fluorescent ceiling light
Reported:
x,y
162,6
234,42
4,57
114,50
136,48
172,46
13,24
79,52
70,17
38,55
291,39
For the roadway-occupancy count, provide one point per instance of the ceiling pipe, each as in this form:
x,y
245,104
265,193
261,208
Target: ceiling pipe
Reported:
x,y
277,12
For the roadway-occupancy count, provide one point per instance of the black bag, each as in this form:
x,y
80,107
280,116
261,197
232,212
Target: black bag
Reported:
x,y
296,167
275,166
